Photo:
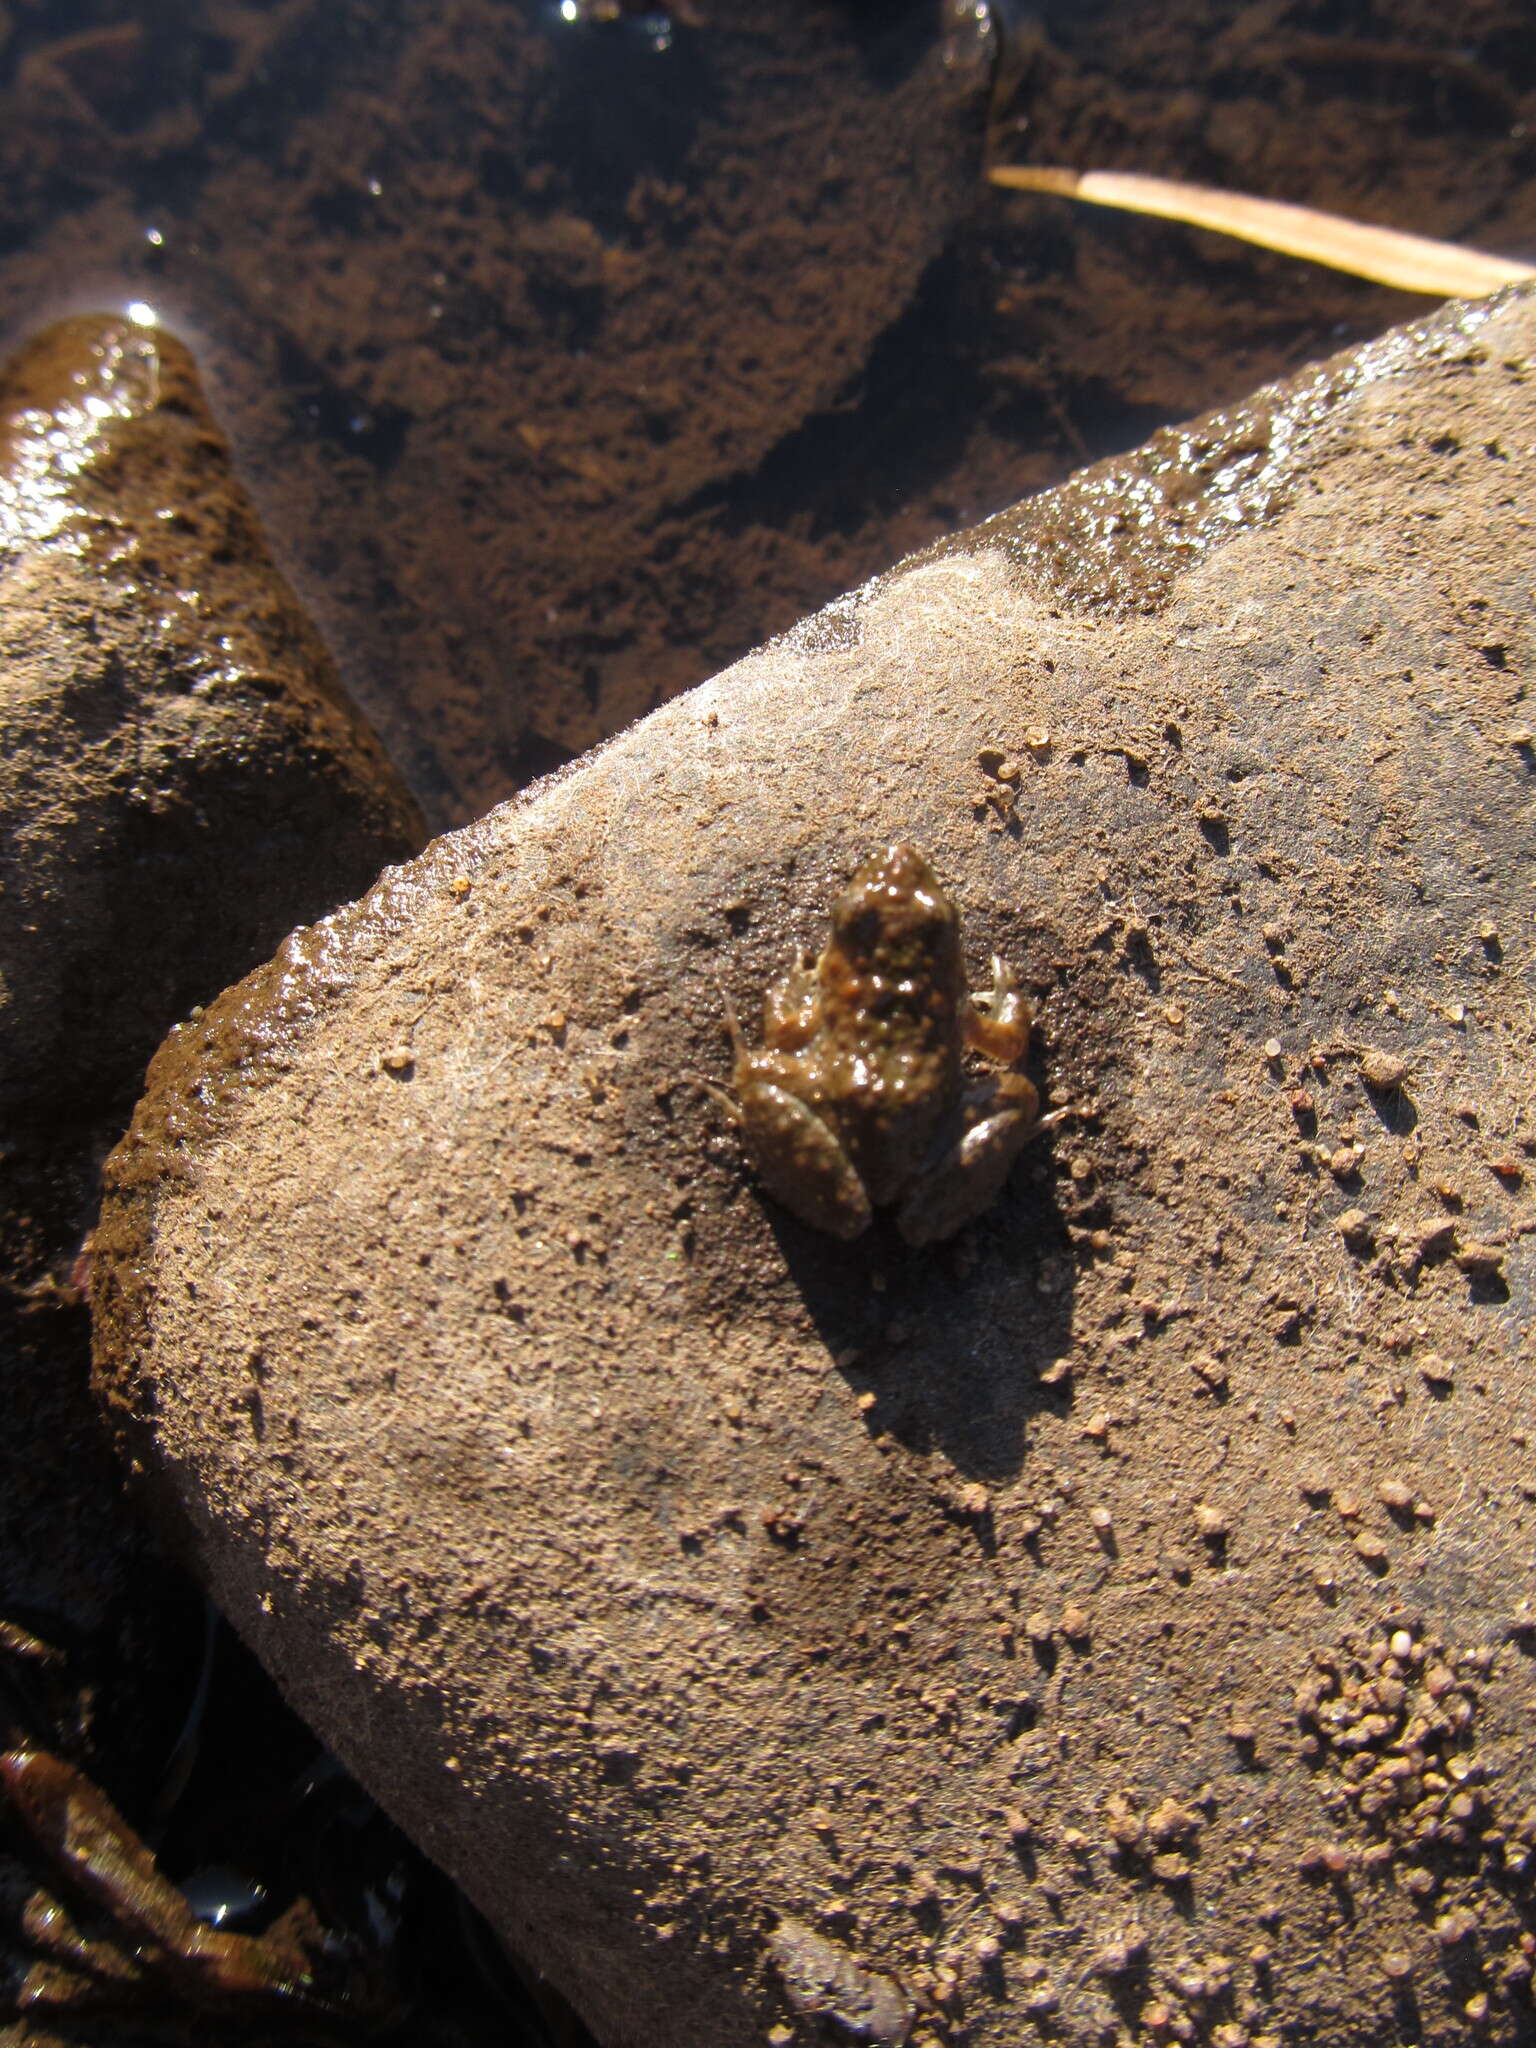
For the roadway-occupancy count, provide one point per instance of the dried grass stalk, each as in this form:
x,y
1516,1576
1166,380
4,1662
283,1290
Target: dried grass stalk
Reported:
x,y
1410,262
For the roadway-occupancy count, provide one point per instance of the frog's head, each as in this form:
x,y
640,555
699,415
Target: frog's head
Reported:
x,y
895,918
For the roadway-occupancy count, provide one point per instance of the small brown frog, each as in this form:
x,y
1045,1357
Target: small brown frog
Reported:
x,y
858,1099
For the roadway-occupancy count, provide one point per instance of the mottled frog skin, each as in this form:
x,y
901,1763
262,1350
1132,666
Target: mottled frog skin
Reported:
x,y
858,1098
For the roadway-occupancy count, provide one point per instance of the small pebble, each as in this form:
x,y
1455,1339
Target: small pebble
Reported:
x,y
1396,1495
1272,1049
1480,1261
397,1059
1211,1523
1382,1071
1354,1226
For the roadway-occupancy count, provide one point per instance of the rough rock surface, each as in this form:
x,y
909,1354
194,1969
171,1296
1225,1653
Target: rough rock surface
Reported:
x,y
1111,1620
180,778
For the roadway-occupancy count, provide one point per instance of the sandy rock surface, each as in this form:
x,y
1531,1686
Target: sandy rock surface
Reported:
x,y
1109,1622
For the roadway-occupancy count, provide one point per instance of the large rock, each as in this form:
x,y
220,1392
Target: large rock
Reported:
x,y
1111,1621
180,778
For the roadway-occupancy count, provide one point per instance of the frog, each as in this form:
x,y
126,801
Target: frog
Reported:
x,y
859,1098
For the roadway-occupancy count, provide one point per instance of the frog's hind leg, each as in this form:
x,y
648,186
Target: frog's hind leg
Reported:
x,y
801,1161
969,1176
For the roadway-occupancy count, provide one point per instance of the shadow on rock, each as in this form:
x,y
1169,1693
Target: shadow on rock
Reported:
x,y
953,1348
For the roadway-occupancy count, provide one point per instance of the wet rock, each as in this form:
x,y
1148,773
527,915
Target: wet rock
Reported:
x,y
605,1519
180,778
180,774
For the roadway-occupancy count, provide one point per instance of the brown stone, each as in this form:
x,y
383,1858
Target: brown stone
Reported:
x,y
445,1370
180,779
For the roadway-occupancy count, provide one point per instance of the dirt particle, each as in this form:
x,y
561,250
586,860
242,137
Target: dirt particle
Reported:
x,y
1211,1524
1457,1925
1435,1237
1480,1261
1396,1496
1382,1071
1172,1826
999,764
1354,1226
399,1059
1075,1623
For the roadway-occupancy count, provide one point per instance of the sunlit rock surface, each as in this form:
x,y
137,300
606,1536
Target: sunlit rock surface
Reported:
x,y
1110,1622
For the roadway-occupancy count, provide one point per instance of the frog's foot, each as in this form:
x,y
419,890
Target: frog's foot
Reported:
x,y
969,1177
801,1161
997,1023
792,1007
714,1091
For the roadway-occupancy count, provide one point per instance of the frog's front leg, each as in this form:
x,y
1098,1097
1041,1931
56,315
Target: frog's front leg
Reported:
x,y
792,1007
1001,1116
799,1156
997,1024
